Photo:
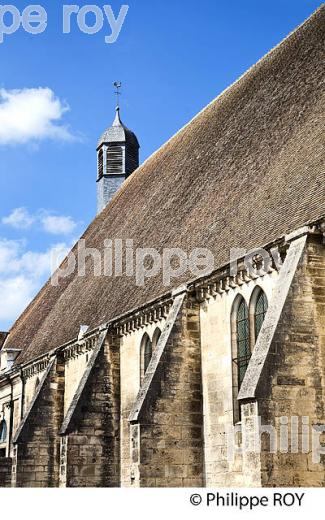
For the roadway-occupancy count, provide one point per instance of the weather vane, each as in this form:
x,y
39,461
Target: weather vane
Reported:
x,y
117,85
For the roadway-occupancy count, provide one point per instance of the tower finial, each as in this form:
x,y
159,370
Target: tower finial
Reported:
x,y
117,85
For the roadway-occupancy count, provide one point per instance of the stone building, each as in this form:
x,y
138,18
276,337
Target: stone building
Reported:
x,y
109,382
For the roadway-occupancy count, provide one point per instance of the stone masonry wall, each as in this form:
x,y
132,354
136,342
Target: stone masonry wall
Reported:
x,y
167,448
36,454
293,386
224,464
90,452
5,472
130,384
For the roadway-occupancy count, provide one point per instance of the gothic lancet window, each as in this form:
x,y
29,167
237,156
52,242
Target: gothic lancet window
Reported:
x,y
240,348
145,355
3,431
155,338
243,349
259,312
246,323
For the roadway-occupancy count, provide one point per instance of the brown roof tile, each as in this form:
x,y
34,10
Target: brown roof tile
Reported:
x,y
246,170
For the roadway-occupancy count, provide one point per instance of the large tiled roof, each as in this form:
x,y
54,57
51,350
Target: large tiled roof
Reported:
x,y
246,170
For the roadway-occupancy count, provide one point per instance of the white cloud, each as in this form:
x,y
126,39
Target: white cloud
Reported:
x,y
22,272
19,218
17,292
31,115
9,252
58,225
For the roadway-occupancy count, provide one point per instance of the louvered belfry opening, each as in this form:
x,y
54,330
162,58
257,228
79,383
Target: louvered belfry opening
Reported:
x,y
131,157
100,163
115,159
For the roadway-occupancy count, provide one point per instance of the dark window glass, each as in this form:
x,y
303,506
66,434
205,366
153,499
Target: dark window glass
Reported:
x,y
3,431
243,350
155,338
260,311
147,353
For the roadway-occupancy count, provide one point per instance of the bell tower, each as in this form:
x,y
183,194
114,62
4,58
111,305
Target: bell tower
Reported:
x,y
117,158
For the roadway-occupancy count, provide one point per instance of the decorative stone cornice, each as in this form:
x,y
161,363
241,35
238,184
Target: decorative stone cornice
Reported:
x,y
82,346
223,282
140,319
35,368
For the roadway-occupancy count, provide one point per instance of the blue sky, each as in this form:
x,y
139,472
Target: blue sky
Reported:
x,y
173,57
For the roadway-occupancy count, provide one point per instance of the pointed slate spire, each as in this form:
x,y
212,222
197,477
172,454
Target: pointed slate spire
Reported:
x,y
117,120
